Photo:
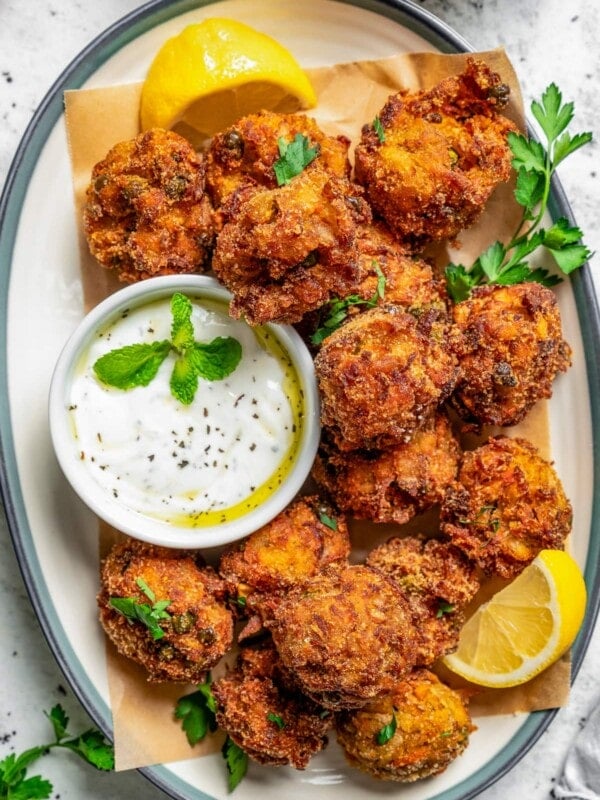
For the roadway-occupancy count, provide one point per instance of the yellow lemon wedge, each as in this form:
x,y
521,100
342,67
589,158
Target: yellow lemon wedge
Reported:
x,y
525,627
217,71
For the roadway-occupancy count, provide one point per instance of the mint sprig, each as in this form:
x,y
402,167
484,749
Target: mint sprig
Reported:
x,y
535,164
294,157
90,746
137,364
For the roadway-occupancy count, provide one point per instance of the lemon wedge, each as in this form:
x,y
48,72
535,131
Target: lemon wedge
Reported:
x,y
525,627
216,71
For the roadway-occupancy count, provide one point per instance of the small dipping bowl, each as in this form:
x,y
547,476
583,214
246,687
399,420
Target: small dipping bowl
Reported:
x,y
185,476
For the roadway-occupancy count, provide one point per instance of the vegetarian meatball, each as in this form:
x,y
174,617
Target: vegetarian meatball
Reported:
x,y
146,212
391,485
345,636
435,157
285,251
165,610
413,732
383,374
247,151
510,351
273,724
506,505
438,580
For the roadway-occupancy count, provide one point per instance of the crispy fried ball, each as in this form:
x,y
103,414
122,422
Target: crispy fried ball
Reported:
x,y
345,636
438,580
510,352
291,548
146,212
273,724
199,629
391,485
247,151
443,152
284,252
383,374
432,728
506,505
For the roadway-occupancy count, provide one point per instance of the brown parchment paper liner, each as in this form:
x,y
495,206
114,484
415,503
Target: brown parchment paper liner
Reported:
x,y
348,96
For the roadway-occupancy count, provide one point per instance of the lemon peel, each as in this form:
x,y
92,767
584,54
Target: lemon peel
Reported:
x,y
216,71
525,627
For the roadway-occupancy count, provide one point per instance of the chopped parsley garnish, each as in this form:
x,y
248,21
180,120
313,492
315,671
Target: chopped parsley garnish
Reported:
x,y
378,127
535,164
137,364
444,608
90,745
329,521
142,612
277,719
387,732
294,157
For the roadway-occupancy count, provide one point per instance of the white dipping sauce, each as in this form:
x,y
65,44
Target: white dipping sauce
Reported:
x,y
196,465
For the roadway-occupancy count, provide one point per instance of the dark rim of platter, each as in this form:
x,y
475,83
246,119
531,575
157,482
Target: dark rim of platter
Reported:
x,y
81,68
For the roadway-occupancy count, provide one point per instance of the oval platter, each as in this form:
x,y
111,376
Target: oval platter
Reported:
x,y
55,535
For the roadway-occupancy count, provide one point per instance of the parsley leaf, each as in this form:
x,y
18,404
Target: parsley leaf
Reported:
x,y
444,608
277,719
197,713
294,157
329,521
387,732
137,364
90,746
535,165
142,612
237,762
378,127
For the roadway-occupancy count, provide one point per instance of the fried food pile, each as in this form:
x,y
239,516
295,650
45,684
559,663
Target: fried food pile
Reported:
x,y
326,644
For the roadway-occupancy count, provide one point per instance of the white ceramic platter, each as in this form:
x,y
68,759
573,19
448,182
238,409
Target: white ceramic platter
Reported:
x,y
55,536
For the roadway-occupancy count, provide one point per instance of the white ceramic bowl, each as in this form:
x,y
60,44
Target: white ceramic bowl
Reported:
x,y
101,498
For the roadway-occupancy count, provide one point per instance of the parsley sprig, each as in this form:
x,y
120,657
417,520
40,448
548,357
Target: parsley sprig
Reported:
x,y
89,745
336,310
294,157
535,164
138,364
150,616
197,712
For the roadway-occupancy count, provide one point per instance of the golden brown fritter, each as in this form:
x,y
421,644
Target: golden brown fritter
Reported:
x,y
273,724
510,351
391,485
438,580
285,251
345,636
146,212
506,505
432,728
444,152
288,550
199,629
248,149
383,374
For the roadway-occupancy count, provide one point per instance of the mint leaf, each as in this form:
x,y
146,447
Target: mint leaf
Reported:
x,y
216,359
294,157
132,365
182,329
184,379
237,762
197,713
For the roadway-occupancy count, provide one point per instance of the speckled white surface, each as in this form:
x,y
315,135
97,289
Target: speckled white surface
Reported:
x,y
546,40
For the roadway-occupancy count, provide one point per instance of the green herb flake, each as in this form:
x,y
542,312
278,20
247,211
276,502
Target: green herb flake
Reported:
x,y
387,732
276,719
294,157
444,608
142,612
236,761
329,521
378,127
197,713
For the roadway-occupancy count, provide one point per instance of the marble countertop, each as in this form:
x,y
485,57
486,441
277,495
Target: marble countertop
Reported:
x,y
546,40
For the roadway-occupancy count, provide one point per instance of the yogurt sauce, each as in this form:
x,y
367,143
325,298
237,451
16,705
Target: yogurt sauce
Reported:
x,y
198,465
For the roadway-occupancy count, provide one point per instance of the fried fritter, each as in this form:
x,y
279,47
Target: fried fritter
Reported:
x,y
285,251
443,152
199,627
432,728
146,212
383,374
248,149
273,724
506,505
438,580
391,485
510,352
291,548
345,636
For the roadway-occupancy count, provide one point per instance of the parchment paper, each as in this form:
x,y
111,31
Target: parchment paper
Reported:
x,y
348,96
